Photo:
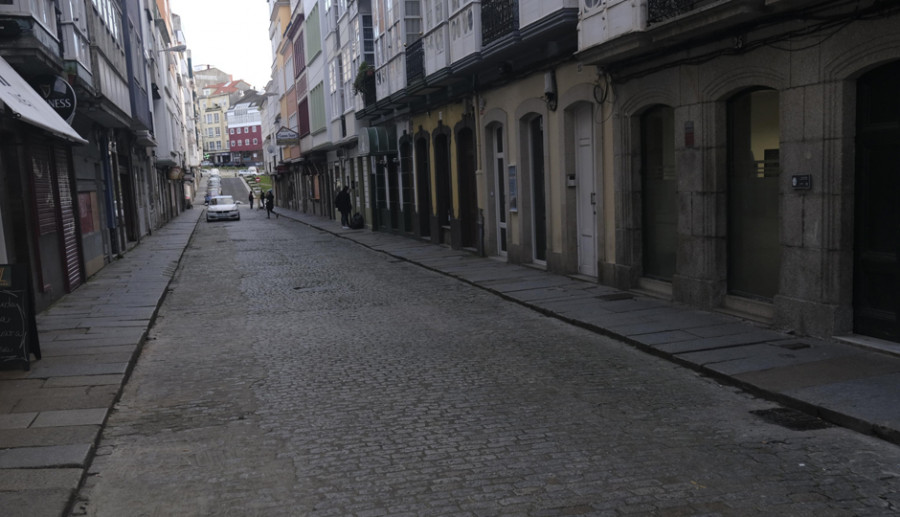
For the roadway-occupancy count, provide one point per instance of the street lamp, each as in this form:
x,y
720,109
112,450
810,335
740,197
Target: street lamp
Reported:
x,y
176,48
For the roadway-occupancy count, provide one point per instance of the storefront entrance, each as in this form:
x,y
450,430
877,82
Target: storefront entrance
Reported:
x,y
876,272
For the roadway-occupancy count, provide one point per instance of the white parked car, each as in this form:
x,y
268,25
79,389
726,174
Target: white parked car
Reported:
x,y
222,208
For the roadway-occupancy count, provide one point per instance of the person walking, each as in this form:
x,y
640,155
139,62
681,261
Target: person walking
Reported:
x,y
342,202
251,200
270,204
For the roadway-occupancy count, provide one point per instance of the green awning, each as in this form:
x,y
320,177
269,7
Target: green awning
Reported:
x,y
379,140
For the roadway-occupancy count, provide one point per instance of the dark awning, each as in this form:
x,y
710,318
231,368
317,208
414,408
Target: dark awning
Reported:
x,y
378,140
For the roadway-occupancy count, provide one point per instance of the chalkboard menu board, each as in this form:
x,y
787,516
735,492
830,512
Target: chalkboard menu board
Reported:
x,y
18,329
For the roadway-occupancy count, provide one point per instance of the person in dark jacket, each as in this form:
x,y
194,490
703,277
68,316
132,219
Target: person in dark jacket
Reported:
x,y
270,204
251,200
342,203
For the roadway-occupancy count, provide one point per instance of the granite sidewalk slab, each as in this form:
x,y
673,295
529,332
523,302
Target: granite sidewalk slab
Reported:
x,y
52,415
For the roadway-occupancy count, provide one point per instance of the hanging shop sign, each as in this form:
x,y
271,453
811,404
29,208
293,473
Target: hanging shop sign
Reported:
x,y
286,136
23,101
59,94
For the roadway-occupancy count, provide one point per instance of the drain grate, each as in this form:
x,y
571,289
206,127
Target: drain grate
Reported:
x,y
795,345
791,419
614,297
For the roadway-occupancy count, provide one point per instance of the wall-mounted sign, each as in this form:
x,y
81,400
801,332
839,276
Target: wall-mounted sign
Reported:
x,y
801,181
59,94
285,136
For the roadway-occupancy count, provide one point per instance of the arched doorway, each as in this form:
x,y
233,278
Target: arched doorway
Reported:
x,y
443,183
393,180
580,144
876,265
406,183
468,192
659,204
423,186
382,212
497,166
754,247
538,190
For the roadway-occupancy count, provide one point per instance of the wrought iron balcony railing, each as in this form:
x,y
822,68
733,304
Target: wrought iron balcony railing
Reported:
x,y
498,18
661,10
415,61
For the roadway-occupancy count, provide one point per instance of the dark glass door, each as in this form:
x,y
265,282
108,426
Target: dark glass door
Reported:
x,y
876,274
538,192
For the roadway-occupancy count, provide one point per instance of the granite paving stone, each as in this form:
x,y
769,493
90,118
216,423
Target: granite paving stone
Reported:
x,y
68,370
36,502
826,371
69,398
83,380
45,436
53,456
71,417
16,421
37,479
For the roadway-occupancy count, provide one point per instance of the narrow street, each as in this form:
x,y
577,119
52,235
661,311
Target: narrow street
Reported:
x,y
291,372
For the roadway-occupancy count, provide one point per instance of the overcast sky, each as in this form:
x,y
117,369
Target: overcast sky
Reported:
x,y
231,35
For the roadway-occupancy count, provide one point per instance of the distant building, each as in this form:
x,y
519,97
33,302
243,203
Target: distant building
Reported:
x,y
245,129
206,75
215,100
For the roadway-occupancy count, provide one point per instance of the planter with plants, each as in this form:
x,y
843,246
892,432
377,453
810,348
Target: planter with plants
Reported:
x,y
359,84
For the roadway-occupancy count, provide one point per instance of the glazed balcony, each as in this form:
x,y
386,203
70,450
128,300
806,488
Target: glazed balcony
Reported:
x,y
615,30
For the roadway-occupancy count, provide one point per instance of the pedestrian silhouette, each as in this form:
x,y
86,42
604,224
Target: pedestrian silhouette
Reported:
x,y
270,204
342,202
251,200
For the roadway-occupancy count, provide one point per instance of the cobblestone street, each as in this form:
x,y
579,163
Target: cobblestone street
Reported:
x,y
294,373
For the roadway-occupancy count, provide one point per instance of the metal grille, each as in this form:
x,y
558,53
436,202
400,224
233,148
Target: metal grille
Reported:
x,y
661,10
415,61
44,200
71,252
498,18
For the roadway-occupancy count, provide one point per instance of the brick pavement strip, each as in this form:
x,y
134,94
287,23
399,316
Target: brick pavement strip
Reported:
x,y
292,373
